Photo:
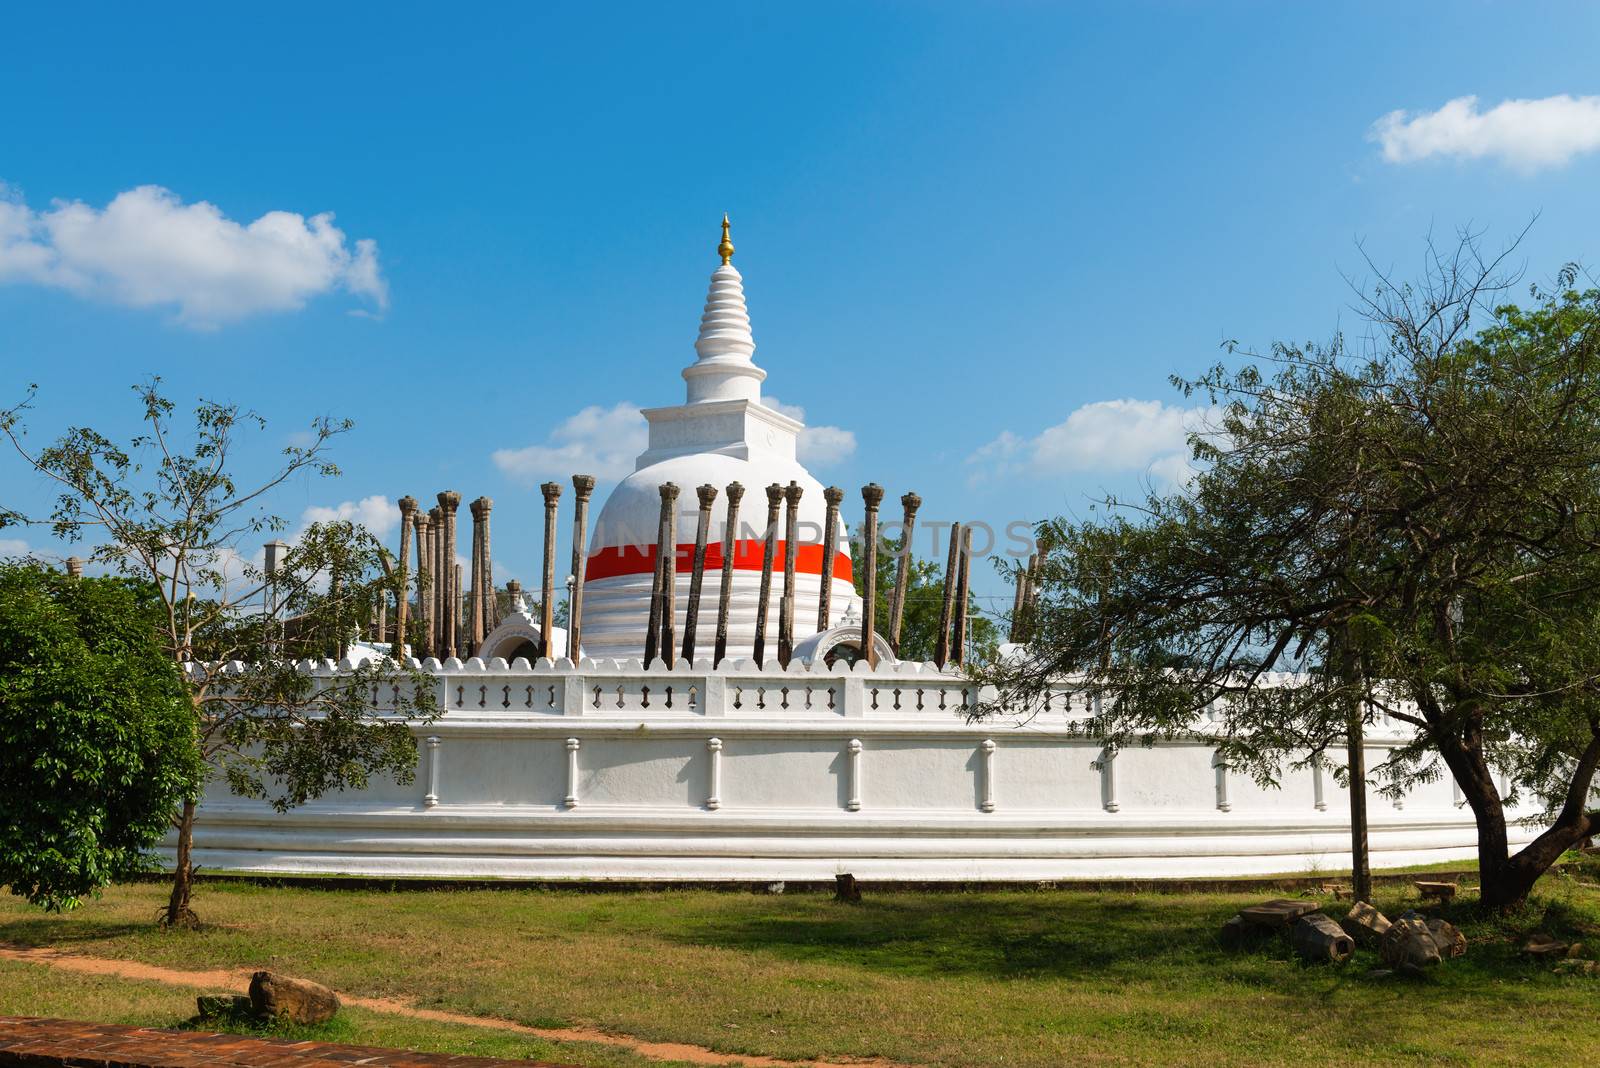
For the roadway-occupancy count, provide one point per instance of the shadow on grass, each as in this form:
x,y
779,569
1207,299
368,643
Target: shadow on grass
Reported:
x,y
1107,938
58,932
980,936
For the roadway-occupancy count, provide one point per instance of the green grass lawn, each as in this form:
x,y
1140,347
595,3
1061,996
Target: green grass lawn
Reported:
x,y
993,978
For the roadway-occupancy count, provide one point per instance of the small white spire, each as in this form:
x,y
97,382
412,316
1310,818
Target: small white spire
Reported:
x,y
724,370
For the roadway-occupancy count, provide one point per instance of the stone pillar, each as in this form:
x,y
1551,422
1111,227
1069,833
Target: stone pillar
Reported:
x,y
485,578
910,502
582,486
475,580
74,567
1019,595
941,647
408,518
764,598
424,583
730,549
872,497
547,578
439,584
669,588
707,495
450,602
664,548
833,495
460,637
791,550
963,576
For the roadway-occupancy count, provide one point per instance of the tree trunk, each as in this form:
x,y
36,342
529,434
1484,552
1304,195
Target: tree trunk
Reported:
x,y
1472,774
178,913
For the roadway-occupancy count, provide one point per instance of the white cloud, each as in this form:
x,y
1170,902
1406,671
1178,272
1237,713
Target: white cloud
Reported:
x,y
1524,134
10,547
149,249
1104,437
818,446
597,441
377,513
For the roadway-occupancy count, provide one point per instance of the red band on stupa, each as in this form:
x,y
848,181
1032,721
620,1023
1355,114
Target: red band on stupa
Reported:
x,y
622,560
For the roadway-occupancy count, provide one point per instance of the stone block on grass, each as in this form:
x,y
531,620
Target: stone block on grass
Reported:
x,y
1365,924
1278,913
300,1001
1317,938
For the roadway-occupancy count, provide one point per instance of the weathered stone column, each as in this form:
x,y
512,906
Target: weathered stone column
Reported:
x,y
730,549
582,486
424,584
964,575
1030,599
941,645
910,502
460,637
833,495
707,496
408,518
475,581
652,638
74,567
437,581
547,582
449,501
669,588
791,550
764,598
485,579
872,497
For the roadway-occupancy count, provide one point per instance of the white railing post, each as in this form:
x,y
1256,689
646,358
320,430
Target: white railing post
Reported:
x,y
988,747
1108,779
853,803
714,798
1317,787
572,772
431,798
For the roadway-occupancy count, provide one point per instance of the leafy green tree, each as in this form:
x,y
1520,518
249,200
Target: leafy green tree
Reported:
x,y
919,630
1413,528
167,511
95,733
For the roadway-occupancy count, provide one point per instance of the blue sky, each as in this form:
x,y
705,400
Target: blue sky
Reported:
x,y
958,224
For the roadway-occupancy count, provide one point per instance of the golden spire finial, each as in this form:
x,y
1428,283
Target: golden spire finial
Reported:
x,y
725,250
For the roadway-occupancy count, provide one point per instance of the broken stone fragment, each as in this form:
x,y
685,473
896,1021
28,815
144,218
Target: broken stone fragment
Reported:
x,y
1365,924
1448,938
1542,945
1317,938
1280,912
274,996
1408,945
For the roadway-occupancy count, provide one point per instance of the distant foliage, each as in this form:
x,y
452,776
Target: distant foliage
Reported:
x,y
97,746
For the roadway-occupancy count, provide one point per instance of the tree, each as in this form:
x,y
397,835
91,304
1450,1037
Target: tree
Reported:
x,y
94,733
919,631
170,514
1413,528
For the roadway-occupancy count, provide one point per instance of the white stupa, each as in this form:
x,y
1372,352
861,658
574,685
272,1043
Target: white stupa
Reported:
x,y
721,434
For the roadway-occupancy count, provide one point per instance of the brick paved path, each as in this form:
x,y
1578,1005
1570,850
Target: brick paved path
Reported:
x,y
40,1043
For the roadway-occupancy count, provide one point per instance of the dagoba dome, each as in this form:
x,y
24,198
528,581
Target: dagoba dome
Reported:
x,y
722,434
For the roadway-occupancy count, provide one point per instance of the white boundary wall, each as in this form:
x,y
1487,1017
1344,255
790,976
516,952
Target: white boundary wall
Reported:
x,y
612,772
